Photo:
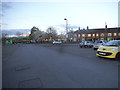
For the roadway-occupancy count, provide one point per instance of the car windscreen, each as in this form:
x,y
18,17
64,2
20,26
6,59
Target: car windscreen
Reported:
x,y
112,43
90,42
57,41
98,41
105,41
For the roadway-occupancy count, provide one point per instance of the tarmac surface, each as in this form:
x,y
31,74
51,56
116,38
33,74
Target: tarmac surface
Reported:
x,y
56,66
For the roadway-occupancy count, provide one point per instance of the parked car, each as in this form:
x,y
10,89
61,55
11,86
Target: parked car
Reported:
x,y
57,42
32,41
99,43
86,44
110,50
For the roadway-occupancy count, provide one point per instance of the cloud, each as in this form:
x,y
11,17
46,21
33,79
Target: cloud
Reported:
x,y
69,26
14,31
3,24
4,6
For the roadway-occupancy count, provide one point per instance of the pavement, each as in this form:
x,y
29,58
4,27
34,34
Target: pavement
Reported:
x,y
47,66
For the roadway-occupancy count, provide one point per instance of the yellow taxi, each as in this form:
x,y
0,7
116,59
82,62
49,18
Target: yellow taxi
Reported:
x,y
110,50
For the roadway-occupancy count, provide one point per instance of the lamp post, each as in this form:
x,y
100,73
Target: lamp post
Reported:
x,y
105,31
66,27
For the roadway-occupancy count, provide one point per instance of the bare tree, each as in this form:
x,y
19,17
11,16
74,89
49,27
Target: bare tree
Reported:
x,y
38,35
51,33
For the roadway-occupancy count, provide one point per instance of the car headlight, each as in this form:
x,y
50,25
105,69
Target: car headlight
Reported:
x,y
114,49
100,47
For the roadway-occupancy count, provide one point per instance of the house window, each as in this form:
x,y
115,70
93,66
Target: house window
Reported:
x,y
89,35
97,34
102,34
115,34
83,35
74,39
110,34
83,39
78,35
75,35
118,34
93,35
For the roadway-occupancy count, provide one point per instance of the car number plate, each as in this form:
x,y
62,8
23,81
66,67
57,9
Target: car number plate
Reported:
x,y
102,53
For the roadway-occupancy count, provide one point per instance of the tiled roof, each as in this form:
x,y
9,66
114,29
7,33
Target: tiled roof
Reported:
x,y
99,30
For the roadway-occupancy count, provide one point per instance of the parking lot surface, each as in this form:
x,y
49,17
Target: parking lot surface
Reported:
x,y
56,66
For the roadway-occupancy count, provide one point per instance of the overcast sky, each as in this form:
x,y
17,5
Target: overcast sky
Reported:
x,y
25,15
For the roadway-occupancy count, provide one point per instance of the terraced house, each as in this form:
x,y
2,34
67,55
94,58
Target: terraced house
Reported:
x,y
97,34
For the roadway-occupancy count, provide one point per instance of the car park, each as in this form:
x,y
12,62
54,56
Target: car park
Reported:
x,y
110,50
86,44
99,43
57,42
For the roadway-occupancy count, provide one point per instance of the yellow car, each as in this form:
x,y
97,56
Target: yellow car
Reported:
x,y
110,50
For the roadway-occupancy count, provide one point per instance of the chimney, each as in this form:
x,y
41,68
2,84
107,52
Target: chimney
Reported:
x,y
87,27
105,25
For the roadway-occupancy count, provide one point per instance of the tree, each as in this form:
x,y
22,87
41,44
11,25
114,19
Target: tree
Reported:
x,y
35,33
34,29
71,35
51,33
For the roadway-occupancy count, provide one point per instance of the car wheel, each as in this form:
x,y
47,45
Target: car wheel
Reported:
x,y
85,46
90,46
95,48
117,57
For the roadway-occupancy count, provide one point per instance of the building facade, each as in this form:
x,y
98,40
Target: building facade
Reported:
x,y
97,34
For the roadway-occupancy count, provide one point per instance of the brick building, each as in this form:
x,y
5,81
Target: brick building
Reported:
x,y
97,34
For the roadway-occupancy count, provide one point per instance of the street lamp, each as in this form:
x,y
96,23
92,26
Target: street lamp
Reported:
x,y
66,27
105,31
